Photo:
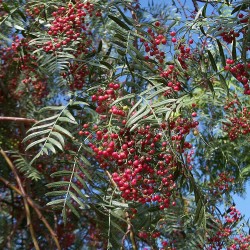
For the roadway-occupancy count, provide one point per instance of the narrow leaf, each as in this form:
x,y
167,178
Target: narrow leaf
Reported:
x,y
55,142
222,55
211,58
119,22
63,131
35,143
50,147
36,134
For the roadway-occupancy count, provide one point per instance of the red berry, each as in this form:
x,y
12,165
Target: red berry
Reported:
x,y
174,39
157,23
172,33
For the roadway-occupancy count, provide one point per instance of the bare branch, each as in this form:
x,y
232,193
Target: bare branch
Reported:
x,y
17,119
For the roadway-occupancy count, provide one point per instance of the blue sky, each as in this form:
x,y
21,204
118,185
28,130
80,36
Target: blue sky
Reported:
x,y
242,204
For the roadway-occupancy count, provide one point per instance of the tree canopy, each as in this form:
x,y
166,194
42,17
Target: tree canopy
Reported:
x,y
124,126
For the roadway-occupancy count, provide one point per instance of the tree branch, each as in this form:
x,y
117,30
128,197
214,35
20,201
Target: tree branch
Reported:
x,y
17,119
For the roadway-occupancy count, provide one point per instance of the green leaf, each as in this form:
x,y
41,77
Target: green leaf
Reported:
x,y
99,47
158,104
63,131
58,136
239,8
66,119
55,142
18,27
234,54
80,103
35,143
58,184
137,117
35,134
204,10
134,107
47,119
81,181
55,202
211,58
72,209
50,147
222,55
61,173
126,19
159,91
85,161
224,83
210,85
199,13
40,127
129,96
85,171
109,66
6,7
57,193
119,22
246,171
51,108
121,44
77,200
203,31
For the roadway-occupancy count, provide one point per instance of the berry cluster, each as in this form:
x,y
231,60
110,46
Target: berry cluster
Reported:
x,y
242,242
142,163
240,72
34,11
239,120
229,36
222,183
184,54
23,77
74,76
70,25
172,76
225,229
152,48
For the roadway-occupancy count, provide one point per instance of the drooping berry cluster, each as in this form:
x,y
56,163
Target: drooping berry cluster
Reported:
x,y
229,36
142,163
222,183
240,72
225,231
21,76
239,120
152,48
241,242
172,76
69,25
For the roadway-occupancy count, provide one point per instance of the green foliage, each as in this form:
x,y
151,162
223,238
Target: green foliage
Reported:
x,y
110,84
